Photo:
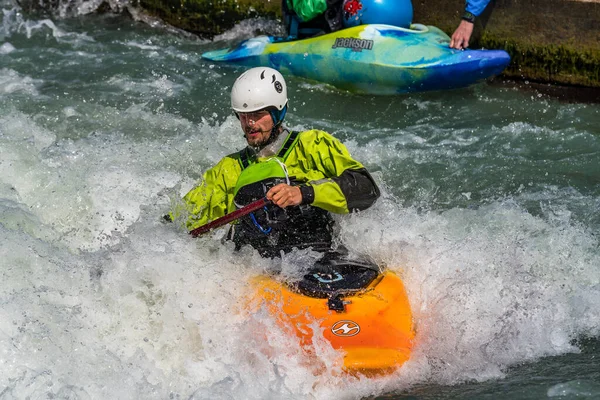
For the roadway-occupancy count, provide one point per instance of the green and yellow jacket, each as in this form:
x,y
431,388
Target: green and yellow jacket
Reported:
x,y
329,178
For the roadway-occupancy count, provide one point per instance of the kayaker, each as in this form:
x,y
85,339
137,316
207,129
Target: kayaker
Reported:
x,y
305,18
306,175
461,36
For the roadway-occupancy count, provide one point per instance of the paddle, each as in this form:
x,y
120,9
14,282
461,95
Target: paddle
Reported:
x,y
255,205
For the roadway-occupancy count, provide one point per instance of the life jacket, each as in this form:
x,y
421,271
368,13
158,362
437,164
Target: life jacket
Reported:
x,y
272,229
328,21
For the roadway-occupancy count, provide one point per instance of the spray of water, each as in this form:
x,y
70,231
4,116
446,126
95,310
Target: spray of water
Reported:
x,y
100,299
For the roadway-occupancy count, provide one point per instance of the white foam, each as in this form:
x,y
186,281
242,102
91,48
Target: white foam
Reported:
x,y
161,86
489,287
575,389
143,46
6,48
14,21
102,300
248,28
13,82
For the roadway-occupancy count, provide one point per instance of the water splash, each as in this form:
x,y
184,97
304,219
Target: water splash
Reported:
x,y
102,300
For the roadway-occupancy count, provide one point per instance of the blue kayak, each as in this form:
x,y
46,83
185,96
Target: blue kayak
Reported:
x,y
374,59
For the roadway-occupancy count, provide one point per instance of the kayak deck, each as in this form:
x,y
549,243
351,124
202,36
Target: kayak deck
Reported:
x,y
372,326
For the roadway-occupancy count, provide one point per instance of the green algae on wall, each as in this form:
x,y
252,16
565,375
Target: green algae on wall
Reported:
x,y
552,63
208,18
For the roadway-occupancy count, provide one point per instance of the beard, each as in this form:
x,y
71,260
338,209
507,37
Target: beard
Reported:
x,y
258,139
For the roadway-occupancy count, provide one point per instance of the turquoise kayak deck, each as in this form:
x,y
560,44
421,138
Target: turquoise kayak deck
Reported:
x,y
375,59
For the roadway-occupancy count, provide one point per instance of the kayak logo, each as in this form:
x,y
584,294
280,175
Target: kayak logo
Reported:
x,y
353,43
345,328
328,278
278,87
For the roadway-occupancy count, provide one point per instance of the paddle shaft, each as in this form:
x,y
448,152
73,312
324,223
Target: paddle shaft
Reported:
x,y
230,217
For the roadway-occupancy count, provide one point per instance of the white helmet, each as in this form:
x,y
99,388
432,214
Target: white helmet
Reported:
x,y
257,89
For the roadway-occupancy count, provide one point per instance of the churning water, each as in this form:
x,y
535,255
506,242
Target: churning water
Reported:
x,y
490,212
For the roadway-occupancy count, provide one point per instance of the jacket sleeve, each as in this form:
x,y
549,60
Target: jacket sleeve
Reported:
x,y
212,198
476,7
347,185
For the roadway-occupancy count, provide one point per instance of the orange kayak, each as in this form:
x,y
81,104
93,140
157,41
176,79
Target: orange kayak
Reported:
x,y
363,313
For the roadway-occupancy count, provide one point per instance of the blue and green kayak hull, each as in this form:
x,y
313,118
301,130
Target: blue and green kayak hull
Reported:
x,y
375,59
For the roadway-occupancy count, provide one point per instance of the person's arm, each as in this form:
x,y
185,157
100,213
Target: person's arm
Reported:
x,y
347,185
462,34
213,198
475,7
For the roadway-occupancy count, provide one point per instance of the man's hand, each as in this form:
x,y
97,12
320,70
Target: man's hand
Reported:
x,y
461,36
284,195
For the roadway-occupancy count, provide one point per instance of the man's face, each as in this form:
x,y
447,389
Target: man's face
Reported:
x,y
257,127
